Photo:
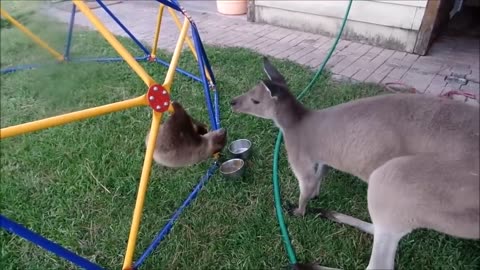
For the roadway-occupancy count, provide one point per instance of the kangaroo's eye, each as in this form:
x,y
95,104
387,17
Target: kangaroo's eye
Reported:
x,y
255,101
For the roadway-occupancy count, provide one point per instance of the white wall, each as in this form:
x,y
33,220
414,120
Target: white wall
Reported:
x,y
389,23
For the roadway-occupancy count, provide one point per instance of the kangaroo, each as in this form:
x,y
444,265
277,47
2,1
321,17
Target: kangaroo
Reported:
x,y
419,155
183,141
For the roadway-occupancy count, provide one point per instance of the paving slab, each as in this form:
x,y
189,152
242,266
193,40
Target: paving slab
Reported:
x,y
352,60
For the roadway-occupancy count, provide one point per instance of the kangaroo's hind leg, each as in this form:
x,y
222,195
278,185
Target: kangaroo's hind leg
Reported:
x,y
384,249
391,204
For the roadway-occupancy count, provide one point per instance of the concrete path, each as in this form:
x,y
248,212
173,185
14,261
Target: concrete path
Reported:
x,y
452,64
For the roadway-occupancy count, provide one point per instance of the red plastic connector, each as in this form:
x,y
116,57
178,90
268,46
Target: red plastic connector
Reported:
x,y
158,98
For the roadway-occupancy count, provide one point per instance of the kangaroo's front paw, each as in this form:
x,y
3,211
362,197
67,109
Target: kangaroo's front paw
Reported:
x,y
293,210
299,212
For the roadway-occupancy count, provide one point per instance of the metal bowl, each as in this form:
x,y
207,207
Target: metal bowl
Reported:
x,y
240,148
233,168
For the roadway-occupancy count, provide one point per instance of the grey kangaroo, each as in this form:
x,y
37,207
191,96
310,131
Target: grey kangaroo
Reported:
x,y
418,154
183,141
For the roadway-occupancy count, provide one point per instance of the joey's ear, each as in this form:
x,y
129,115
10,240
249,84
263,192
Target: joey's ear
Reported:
x,y
275,90
200,128
179,112
181,122
177,107
272,73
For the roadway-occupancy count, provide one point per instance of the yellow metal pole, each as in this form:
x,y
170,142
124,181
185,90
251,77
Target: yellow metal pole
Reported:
x,y
179,26
157,30
149,81
176,55
189,41
71,117
31,35
142,189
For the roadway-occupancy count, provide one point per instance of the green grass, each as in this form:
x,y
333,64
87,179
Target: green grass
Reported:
x,y
76,184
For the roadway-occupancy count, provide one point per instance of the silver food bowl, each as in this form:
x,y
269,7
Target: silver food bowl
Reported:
x,y
240,148
233,168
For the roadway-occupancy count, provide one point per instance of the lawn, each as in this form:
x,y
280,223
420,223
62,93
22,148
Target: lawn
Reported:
x,y
77,184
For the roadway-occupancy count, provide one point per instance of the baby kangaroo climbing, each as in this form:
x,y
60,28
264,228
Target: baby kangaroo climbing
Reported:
x,y
183,141
419,155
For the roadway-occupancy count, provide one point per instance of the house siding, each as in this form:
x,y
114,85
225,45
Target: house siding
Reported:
x,y
390,24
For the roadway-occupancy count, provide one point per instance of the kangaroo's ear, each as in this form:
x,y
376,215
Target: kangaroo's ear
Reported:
x,y
272,73
274,89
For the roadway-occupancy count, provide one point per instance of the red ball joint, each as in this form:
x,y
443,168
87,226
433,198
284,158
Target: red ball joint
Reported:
x,y
151,58
158,98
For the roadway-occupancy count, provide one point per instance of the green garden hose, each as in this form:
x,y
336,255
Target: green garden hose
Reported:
x,y
276,186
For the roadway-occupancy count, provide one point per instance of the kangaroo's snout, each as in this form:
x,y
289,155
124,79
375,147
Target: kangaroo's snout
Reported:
x,y
263,98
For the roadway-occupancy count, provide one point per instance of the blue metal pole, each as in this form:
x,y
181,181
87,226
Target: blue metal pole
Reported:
x,y
175,2
109,12
179,70
216,107
70,33
79,60
37,239
171,4
106,59
18,68
140,58
101,60
206,87
204,56
166,229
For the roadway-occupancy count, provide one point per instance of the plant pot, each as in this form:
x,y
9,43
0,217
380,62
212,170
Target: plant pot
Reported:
x,y
232,7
